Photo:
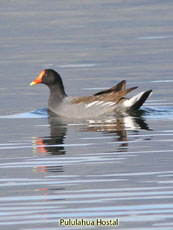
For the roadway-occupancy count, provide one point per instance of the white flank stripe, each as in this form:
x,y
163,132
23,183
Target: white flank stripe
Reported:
x,y
108,104
112,103
91,104
100,102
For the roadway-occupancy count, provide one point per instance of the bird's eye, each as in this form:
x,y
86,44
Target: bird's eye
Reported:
x,y
45,75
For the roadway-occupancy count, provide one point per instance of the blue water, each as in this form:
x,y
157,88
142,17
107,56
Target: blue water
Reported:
x,y
39,113
111,167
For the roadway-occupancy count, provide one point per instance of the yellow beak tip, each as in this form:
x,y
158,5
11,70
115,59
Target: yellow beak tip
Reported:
x,y
33,83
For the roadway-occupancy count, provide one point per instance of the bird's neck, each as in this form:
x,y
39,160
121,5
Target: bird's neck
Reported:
x,y
57,94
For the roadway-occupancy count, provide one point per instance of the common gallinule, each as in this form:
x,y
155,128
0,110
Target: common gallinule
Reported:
x,y
109,101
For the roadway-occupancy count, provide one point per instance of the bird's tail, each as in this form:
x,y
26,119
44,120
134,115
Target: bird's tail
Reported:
x,y
138,100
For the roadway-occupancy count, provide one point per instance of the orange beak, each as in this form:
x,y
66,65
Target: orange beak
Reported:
x,y
38,79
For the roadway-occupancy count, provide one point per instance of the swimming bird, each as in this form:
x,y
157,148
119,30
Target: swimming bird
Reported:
x,y
107,102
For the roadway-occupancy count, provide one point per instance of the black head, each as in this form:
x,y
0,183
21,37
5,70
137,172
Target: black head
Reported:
x,y
52,79
48,77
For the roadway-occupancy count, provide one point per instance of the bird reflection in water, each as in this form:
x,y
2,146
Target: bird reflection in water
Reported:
x,y
117,127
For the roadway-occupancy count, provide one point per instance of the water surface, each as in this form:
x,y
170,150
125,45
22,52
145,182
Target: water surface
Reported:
x,y
116,167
